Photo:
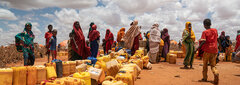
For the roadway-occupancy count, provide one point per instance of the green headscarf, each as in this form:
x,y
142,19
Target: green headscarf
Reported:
x,y
90,29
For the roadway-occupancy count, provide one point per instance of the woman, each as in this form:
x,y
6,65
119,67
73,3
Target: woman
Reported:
x,y
90,28
147,35
24,40
220,41
120,35
131,38
227,44
154,43
94,37
166,38
188,37
109,40
79,46
237,41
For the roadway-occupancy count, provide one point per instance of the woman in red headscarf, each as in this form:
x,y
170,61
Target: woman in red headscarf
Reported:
x,y
109,40
94,36
79,46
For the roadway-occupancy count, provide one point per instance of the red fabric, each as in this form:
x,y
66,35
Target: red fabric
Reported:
x,y
140,37
238,43
48,35
83,50
94,34
135,45
211,36
54,54
200,50
109,42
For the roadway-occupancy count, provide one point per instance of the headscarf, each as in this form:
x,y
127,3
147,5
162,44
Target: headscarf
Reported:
x,y
238,32
155,34
94,34
109,35
222,36
187,29
28,33
120,34
27,37
83,50
90,29
148,35
108,42
133,32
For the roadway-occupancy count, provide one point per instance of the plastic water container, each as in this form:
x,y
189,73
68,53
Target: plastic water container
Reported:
x,y
51,73
96,74
125,77
41,74
81,68
6,76
31,75
66,68
72,66
83,75
19,75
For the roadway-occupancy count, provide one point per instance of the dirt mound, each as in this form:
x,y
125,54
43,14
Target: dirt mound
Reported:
x,y
9,54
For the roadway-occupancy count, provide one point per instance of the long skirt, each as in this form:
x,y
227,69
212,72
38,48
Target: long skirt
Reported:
x,y
188,60
29,57
165,50
94,48
153,53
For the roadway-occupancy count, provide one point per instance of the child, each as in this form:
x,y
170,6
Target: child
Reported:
x,y
228,48
53,44
210,48
48,35
104,45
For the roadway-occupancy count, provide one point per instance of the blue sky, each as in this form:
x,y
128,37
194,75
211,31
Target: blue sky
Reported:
x,y
115,14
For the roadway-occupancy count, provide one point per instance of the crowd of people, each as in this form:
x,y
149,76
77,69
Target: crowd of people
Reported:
x,y
209,44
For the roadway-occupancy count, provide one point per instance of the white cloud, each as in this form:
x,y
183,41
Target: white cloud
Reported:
x,y
115,14
1,29
38,4
6,14
48,15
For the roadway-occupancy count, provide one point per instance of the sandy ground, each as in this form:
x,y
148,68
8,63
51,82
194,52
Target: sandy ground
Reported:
x,y
171,74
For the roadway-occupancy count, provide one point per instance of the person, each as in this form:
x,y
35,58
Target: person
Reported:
x,y
146,35
131,38
53,43
220,41
79,46
104,45
179,44
209,41
237,41
120,35
109,38
140,36
188,37
90,28
25,40
94,37
166,38
227,44
154,41
48,35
